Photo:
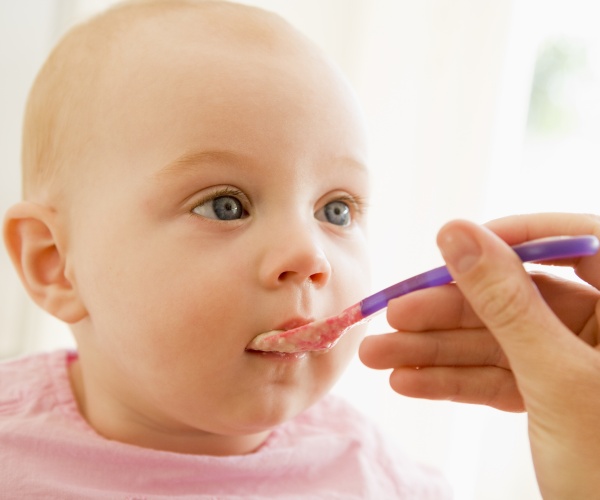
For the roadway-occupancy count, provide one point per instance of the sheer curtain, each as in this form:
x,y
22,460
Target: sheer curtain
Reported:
x,y
445,87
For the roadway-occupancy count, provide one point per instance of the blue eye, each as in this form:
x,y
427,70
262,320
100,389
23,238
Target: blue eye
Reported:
x,y
221,208
335,212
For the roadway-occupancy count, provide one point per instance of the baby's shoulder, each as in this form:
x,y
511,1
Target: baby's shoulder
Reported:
x,y
25,381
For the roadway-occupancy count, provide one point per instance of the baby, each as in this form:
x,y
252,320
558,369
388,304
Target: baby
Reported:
x,y
194,175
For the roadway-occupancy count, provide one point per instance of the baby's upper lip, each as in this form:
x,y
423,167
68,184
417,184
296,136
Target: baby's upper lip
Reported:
x,y
294,322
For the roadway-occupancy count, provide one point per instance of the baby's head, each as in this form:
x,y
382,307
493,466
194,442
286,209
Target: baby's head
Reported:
x,y
194,175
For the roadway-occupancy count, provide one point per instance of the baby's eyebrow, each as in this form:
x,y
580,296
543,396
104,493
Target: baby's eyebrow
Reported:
x,y
350,162
190,161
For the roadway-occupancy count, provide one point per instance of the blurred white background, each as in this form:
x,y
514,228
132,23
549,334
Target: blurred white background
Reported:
x,y
476,109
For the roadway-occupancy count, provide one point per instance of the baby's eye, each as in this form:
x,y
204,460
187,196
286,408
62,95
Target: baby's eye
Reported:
x,y
335,212
224,207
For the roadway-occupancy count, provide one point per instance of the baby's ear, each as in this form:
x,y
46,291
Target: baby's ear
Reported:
x,y
31,236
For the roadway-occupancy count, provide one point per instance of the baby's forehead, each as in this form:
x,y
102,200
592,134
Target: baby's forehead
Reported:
x,y
179,36
73,88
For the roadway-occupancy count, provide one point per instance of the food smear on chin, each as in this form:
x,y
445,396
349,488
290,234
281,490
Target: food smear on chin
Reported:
x,y
316,336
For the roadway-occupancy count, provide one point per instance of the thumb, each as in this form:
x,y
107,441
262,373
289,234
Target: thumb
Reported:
x,y
492,278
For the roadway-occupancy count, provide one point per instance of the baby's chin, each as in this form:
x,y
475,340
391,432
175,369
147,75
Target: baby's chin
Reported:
x,y
274,405
272,414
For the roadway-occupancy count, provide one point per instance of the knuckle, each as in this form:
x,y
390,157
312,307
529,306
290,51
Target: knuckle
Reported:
x,y
495,356
503,303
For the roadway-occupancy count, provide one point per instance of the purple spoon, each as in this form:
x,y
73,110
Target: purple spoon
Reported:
x,y
324,334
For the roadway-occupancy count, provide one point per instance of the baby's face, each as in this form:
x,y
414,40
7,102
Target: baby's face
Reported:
x,y
226,201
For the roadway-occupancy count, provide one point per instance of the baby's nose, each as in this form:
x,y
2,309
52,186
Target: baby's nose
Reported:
x,y
298,257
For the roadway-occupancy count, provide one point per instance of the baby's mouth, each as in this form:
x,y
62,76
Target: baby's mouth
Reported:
x,y
319,335
273,341
279,340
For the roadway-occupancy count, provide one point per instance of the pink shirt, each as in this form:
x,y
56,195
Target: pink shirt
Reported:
x,y
47,450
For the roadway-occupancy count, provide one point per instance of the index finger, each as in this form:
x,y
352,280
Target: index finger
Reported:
x,y
520,228
439,308
445,307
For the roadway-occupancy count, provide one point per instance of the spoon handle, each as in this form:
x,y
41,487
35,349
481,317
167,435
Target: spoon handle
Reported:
x,y
543,249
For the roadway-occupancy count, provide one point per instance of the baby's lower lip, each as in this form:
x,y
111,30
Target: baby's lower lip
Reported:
x,y
279,356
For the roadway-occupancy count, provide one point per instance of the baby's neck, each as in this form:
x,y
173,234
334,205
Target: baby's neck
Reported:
x,y
194,442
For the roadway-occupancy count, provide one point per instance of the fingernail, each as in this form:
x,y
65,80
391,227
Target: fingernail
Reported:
x,y
459,249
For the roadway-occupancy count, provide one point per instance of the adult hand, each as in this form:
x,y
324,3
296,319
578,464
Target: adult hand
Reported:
x,y
510,340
